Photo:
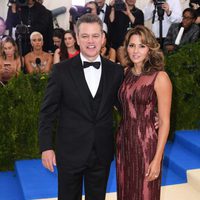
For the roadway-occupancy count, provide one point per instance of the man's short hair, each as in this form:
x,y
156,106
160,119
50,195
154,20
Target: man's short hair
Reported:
x,y
90,19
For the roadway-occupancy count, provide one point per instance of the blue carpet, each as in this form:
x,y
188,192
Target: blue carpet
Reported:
x,y
189,139
9,187
36,182
183,154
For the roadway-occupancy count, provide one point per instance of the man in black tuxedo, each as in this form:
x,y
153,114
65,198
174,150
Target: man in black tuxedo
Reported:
x,y
81,93
104,11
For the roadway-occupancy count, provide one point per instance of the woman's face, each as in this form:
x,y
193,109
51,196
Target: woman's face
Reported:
x,y
37,42
137,51
57,41
69,40
9,49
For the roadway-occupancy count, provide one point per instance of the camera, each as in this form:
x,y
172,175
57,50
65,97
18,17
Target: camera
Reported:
x,y
119,5
19,2
159,2
160,11
22,29
77,11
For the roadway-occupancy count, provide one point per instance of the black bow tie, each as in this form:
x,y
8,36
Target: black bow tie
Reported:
x,y
102,11
94,64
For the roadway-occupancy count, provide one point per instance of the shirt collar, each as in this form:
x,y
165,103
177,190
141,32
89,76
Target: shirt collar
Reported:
x,y
104,8
98,59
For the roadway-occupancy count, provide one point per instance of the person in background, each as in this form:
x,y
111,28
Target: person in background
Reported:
x,y
80,95
106,50
2,28
104,12
93,7
172,12
35,17
10,64
58,34
38,61
195,4
182,33
2,32
68,48
146,88
123,18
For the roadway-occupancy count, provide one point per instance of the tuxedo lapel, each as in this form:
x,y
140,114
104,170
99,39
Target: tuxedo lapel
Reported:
x,y
106,76
78,77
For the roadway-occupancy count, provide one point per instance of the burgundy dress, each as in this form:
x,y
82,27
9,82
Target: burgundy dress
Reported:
x,y
136,140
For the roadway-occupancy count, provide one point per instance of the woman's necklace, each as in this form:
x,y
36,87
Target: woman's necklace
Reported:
x,y
136,73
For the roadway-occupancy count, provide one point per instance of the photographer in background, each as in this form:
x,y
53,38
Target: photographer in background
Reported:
x,y
195,4
123,16
172,14
35,17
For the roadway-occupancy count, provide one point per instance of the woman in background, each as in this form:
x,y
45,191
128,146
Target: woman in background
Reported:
x,y
68,48
146,90
10,64
38,61
57,37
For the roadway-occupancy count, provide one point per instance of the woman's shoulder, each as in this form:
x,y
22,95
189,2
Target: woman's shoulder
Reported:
x,y
161,75
28,55
162,80
47,55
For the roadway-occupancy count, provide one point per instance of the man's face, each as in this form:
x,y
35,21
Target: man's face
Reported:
x,y
187,20
130,2
90,39
100,3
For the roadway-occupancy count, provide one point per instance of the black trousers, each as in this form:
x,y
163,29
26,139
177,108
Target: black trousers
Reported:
x,y
93,174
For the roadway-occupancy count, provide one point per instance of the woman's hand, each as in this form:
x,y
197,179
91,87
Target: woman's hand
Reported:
x,y
153,170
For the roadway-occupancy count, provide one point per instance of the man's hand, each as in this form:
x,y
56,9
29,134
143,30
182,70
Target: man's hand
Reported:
x,y
165,7
49,159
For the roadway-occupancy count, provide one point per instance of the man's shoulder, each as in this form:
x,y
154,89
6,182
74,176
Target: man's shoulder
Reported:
x,y
195,27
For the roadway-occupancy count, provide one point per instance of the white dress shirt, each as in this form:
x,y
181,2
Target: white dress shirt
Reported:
x,y
102,14
92,75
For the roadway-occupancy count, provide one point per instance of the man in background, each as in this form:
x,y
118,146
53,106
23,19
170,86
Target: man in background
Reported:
x,y
182,33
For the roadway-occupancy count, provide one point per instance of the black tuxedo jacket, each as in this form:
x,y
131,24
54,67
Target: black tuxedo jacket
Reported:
x,y
66,99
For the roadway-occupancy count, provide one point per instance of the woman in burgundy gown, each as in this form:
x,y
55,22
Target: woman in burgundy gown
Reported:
x,y
146,90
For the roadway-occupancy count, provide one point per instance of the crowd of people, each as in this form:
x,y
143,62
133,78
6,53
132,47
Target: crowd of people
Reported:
x,y
108,58
178,28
